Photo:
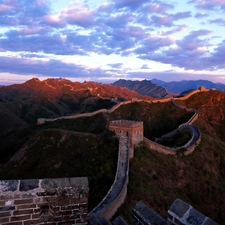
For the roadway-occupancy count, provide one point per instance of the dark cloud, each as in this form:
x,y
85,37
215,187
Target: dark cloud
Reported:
x,y
50,68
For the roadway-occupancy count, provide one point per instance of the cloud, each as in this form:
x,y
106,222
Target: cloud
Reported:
x,y
178,28
152,44
116,65
189,53
158,7
131,4
201,15
166,20
78,14
219,21
144,66
50,68
15,12
209,4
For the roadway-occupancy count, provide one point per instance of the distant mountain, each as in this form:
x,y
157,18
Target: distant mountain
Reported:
x,y
144,87
181,86
23,103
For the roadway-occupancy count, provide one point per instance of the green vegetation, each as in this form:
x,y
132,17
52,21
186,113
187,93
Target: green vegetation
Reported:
x,y
84,147
158,118
60,153
177,140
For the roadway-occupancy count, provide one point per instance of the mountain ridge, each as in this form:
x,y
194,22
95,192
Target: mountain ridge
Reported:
x,y
144,87
184,85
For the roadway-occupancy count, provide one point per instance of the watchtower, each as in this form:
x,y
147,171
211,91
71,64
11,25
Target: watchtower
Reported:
x,y
130,128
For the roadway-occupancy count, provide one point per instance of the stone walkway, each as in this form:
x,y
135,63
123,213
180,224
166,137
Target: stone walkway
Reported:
x,y
120,179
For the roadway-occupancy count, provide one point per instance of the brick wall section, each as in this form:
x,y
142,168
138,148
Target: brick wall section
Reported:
x,y
47,201
117,193
43,120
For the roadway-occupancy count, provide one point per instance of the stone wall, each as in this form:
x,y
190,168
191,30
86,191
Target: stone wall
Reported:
x,y
46,201
117,193
43,120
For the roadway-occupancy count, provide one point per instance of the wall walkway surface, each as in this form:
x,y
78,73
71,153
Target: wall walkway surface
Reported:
x,y
117,193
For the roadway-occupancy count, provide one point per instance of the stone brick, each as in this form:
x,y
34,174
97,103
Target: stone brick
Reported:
x,y
32,206
66,213
22,212
14,223
31,222
6,197
4,220
20,218
8,185
23,201
55,208
2,202
67,222
4,214
26,185
35,216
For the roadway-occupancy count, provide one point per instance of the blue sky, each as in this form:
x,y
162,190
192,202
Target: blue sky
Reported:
x,y
107,40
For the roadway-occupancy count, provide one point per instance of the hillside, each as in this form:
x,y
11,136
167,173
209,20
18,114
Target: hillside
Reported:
x,y
62,149
198,178
211,109
155,178
144,87
22,104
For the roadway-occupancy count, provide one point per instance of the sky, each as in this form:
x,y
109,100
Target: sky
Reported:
x,y
108,40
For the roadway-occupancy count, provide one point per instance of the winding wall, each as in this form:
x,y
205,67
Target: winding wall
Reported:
x,y
117,193
193,130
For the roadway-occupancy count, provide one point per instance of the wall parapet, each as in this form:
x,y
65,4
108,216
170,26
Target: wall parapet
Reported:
x,y
44,201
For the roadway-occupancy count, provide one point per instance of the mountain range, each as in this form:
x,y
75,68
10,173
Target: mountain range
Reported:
x,y
144,87
84,146
184,85
161,89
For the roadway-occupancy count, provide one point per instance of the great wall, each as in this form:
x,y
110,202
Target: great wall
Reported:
x,y
130,133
